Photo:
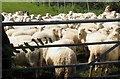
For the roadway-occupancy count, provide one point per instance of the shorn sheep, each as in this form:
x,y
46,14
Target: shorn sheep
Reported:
x,y
66,41
17,40
55,56
61,56
52,33
96,50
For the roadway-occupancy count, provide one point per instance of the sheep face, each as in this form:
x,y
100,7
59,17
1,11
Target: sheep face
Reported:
x,y
57,33
33,57
82,35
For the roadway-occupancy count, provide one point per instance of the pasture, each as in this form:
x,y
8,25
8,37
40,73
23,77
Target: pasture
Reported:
x,y
44,8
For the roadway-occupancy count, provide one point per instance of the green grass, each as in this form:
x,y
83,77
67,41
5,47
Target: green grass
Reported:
x,y
23,6
34,8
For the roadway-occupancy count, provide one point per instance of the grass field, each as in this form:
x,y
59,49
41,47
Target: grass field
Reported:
x,y
23,6
42,9
32,8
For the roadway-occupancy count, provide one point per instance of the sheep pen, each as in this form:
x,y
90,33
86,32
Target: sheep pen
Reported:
x,y
59,34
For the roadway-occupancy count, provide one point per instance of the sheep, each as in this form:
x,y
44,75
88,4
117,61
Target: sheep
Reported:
x,y
25,27
61,56
101,34
8,17
62,26
101,16
96,50
24,32
114,54
48,33
10,32
111,25
39,17
91,27
104,31
89,15
117,15
20,39
60,16
29,57
86,37
70,34
20,58
112,14
28,61
26,18
107,8
66,41
18,18
47,16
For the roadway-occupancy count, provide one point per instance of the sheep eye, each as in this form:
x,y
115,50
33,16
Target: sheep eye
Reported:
x,y
53,29
79,33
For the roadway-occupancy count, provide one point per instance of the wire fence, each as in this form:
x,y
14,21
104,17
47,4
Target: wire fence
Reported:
x,y
86,65
60,22
68,45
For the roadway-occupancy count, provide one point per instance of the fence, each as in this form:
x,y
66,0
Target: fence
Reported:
x,y
117,43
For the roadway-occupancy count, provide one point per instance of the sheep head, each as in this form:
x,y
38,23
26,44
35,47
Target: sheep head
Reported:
x,y
82,35
57,32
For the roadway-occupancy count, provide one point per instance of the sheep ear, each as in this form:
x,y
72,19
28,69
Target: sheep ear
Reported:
x,y
46,40
42,28
23,48
40,41
83,28
118,30
50,40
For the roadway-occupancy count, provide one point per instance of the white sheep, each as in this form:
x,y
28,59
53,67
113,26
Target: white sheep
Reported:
x,y
66,41
70,34
96,50
17,40
47,33
29,57
91,27
19,32
10,32
61,56
112,55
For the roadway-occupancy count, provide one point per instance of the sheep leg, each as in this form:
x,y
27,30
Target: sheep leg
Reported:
x,y
104,70
39,63
37,74
97,66
91,67
86,51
